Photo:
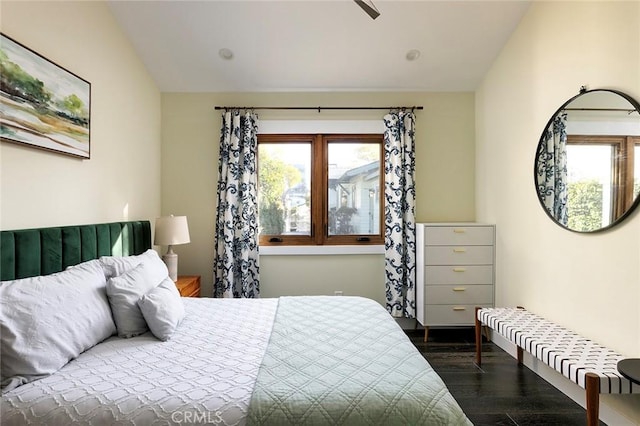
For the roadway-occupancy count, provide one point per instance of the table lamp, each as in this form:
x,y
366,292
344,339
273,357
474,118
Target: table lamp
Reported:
x,y
170,231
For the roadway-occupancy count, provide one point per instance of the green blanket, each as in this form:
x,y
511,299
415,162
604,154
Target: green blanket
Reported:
x,y
345,361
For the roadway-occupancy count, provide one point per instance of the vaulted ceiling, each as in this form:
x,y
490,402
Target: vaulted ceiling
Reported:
x,y
321,45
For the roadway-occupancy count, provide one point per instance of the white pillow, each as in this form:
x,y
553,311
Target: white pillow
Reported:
x,y
46,321
88,264
126,289
162,309
118,265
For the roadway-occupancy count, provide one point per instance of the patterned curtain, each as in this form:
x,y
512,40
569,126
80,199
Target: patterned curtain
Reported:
x,y
551,169
400,227
236,240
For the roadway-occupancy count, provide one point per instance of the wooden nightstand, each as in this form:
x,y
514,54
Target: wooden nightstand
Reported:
x,y
189,285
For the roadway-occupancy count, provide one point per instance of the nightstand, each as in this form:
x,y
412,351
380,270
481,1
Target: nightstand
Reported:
x,y
189,285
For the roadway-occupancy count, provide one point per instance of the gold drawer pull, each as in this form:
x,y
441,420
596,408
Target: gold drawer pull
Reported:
x,y
459,308
459,269
459,230
459,289
459,250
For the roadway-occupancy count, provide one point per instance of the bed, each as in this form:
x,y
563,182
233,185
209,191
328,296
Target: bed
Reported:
x,y
312,360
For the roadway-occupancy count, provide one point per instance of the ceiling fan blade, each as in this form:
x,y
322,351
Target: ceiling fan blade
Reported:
x,y
368,7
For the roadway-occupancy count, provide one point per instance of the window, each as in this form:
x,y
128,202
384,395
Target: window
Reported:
x,y
603,182
320,189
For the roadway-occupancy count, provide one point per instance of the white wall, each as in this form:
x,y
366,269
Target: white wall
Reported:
x,y
589,283
190,137
121,181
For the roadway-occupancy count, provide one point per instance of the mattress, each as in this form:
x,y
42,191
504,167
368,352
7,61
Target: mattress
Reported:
x,y
293,360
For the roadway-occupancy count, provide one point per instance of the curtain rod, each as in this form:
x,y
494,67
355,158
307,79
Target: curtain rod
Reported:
x,y
627,110
319,108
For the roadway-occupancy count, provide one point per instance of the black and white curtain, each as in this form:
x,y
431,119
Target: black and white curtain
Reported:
x,y
400,227
551,169
236,266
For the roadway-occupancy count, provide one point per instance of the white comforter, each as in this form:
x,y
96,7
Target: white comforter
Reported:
x,y
204,374
300,360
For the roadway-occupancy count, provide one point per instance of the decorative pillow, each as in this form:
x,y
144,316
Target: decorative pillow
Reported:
x,y
163,309
118,265
46,321
126,289
91,264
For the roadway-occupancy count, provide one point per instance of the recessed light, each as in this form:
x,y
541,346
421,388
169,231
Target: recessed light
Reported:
x,y
225,53
413,54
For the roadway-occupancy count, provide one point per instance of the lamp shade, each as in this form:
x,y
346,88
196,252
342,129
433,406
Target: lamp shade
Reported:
x,y
171,230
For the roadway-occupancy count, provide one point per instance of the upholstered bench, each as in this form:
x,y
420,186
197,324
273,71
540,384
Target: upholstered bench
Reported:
x,y
586,363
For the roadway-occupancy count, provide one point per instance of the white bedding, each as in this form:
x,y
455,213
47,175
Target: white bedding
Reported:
x,y
299,360
204,374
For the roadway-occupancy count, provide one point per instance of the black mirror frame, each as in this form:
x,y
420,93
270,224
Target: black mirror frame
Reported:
x,y
636,202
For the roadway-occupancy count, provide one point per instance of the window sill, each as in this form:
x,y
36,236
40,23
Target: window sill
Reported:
x,y
319,250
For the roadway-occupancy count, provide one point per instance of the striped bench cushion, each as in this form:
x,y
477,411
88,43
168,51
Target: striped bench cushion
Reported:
x,y
560,348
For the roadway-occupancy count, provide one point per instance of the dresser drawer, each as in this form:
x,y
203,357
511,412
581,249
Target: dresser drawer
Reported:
x,y
458,294
464,274
451,314
458,235
458,255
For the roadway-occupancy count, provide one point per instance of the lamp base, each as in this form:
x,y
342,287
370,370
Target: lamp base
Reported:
x,y
171,260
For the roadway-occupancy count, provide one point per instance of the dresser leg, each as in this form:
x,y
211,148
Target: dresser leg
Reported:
x,y
426,333
478,331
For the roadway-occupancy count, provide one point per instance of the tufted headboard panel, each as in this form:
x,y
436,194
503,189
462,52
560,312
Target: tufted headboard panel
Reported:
x,y
41,251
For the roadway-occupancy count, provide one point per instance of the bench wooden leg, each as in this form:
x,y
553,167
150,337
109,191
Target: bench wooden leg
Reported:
x,y
519,349
592,385
486,333
426,332
478,339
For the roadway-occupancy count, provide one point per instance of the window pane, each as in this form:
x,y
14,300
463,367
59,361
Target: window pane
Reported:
x,y
284,194
590,190
354,188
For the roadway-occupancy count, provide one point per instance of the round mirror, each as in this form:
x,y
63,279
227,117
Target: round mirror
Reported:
x,y
584,167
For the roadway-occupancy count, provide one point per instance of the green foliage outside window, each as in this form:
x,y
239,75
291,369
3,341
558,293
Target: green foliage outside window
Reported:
x,y
275,178
584,205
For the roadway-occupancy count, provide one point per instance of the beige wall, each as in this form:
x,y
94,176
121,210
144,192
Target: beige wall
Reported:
x,y
122,179
190,136
590,283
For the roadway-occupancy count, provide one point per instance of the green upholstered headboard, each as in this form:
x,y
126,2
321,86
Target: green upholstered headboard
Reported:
x,y
31,252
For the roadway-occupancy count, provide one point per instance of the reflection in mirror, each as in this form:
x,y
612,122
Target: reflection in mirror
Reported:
x,y
584,169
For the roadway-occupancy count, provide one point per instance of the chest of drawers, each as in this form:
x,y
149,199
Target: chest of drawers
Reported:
x,y
454,272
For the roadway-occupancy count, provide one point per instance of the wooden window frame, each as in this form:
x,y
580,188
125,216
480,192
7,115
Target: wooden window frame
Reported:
x,y
319,191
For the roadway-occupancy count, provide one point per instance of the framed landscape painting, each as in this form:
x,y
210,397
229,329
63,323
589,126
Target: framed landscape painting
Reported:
x,y
42,104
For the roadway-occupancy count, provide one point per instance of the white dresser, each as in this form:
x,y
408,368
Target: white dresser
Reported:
x,y
455,272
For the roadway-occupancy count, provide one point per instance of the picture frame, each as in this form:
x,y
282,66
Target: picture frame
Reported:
x,y
42,104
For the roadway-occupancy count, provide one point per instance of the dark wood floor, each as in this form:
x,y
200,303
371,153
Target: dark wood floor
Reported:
x,y
499,393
